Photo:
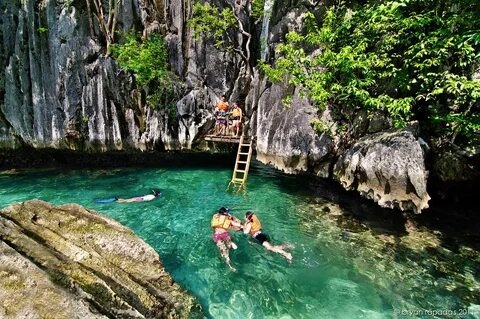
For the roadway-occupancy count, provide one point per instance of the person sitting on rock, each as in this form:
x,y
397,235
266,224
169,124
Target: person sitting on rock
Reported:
x,y
145,198
253,227
221,114
221,222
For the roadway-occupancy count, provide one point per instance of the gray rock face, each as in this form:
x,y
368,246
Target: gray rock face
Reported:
x,y
285,137
68,262
208,73
62,91
388,167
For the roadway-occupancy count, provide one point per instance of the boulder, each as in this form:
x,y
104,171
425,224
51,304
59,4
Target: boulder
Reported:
x,y
388,167
75,263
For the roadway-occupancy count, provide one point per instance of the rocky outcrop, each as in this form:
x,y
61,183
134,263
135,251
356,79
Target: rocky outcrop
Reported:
x,y
62,90
59,88
285,137
388,167
75,263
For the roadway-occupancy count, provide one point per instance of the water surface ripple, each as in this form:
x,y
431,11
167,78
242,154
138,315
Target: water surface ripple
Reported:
x,y
341,268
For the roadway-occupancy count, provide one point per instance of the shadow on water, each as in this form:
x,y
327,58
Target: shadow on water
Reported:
x,y
52,158
455,225
356,211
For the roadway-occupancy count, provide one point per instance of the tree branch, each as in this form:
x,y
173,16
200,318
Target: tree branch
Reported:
x,y
245,55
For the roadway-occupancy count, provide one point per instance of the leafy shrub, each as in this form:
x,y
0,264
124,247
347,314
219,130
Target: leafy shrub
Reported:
x,y
209,19
147,59
413,59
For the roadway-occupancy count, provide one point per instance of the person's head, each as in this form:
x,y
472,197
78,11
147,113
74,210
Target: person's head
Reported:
x,y
248,215
235,104
156,192
224,97
224,211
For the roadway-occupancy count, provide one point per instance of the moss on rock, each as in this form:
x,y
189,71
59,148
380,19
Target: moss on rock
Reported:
x,y
88,259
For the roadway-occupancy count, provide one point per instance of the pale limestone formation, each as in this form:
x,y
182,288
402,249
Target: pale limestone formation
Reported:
x,y
69,262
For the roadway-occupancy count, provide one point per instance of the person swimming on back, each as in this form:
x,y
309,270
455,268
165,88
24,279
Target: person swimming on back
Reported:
x,y
253,227
145,198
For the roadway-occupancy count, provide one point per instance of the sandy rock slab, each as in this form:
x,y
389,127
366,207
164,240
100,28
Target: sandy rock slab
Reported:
x,y
69,262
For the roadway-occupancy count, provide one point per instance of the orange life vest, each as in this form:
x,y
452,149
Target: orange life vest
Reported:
x,y
222,106
220,221
256,225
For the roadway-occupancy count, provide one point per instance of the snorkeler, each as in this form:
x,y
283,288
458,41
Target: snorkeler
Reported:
x,y
221,222
253,227
145,198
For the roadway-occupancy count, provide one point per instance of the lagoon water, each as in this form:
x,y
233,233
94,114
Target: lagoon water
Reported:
x,y
342,268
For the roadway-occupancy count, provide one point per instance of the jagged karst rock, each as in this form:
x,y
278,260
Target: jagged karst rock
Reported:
x,y
60,88
285,137
69,262
388,167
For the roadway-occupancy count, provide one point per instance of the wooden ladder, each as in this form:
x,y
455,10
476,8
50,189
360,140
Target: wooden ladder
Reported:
x,y
242,163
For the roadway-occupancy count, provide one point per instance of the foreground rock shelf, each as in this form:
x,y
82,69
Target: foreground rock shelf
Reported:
x,y
70,262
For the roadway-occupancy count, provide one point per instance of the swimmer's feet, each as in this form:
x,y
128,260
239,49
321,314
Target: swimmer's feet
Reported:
x,y
289,257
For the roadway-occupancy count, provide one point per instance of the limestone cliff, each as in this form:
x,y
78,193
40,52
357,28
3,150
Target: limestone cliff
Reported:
x,y
69,262
59,88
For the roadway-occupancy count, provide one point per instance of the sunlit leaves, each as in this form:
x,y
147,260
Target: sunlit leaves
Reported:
x,y
257,8
409,58
210,20
147,59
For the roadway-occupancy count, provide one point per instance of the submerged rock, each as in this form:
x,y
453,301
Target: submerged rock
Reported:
x,y
69,262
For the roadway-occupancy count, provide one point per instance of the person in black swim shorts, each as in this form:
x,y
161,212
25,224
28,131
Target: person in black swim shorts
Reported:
x,y
253,227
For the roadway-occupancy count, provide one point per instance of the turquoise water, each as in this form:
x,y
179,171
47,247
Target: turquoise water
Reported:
x,y
341,267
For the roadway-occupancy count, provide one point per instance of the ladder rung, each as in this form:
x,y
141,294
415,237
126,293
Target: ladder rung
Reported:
x,y
239,171
242,153
237,180
242,162
244,145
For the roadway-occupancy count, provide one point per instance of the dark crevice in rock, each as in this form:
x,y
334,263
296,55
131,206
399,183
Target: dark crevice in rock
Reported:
x,y
57,276
129,297
387,188
410,188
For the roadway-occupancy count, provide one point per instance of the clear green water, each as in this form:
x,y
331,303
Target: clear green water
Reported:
x,y
341,268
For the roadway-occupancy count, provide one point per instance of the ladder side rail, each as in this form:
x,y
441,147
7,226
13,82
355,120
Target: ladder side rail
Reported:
x,y
234,176
247,166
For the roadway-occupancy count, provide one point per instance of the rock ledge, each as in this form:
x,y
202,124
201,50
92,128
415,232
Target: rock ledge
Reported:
x,y
70,262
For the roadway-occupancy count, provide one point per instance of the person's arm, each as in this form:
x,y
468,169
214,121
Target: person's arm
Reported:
x,y
235,224
246,227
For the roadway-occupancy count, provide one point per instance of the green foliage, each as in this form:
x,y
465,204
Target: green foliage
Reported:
x,y
321,127
209,20
147,59
257,8
42,30
413,59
